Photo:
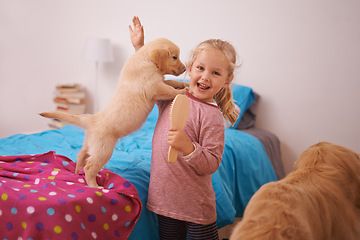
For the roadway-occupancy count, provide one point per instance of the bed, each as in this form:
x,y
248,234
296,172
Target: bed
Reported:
x,y
45,161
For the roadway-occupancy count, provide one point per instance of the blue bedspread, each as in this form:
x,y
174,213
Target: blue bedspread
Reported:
x,y
244,168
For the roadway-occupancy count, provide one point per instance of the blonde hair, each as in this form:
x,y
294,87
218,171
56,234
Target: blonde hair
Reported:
x,y
224,97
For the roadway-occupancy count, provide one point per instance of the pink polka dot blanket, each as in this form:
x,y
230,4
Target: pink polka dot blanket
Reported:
x,y
42,198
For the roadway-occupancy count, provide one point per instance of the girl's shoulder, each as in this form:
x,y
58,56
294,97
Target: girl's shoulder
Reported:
x,y
206,113
200,102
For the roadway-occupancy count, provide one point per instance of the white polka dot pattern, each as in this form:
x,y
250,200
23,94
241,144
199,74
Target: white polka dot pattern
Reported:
x,y
41,197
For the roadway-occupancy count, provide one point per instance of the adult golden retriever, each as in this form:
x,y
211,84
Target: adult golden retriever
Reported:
x,y
319,200
141,84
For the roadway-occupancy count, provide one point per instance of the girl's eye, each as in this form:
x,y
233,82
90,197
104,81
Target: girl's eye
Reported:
x,y
200,68
216,73
175,57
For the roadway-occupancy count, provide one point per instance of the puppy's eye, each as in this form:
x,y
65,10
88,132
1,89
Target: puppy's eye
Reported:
x,y
175,57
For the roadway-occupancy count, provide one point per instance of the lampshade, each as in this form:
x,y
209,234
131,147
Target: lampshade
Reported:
x,y
98,50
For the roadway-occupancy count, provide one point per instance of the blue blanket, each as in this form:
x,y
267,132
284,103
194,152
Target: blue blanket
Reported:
x,y
244,168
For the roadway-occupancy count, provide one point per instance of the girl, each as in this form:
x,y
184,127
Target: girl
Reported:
x,y
181,193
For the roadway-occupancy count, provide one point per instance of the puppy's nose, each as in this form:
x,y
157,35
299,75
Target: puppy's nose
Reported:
x,y
182,69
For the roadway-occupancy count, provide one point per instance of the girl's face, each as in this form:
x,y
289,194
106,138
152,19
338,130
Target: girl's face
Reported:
x,y
208,74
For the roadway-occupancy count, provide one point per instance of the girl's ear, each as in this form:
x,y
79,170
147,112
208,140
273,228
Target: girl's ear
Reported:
x,y
229,80
188,69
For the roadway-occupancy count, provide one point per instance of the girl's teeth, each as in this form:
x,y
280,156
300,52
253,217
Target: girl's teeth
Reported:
x,y
202,86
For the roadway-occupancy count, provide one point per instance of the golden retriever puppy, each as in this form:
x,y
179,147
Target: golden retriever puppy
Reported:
x,y
141,84
319,200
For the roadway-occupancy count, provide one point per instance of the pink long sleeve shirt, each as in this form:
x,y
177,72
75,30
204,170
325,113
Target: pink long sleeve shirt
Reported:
x,y
183,190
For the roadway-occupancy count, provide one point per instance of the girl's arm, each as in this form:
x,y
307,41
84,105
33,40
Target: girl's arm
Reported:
x,y
137,34
180,141
206,154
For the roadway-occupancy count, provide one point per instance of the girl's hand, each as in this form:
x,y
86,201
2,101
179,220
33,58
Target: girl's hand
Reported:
x,y
137,34
180,141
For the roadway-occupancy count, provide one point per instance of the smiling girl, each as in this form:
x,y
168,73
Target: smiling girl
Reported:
x,y
181,193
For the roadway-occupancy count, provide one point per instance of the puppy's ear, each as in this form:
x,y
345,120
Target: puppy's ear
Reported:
x,y
160,58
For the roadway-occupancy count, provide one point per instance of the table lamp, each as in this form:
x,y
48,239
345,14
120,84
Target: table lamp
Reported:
x,y
98,50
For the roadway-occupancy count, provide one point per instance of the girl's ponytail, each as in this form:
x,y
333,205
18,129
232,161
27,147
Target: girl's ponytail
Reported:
x,y
224,100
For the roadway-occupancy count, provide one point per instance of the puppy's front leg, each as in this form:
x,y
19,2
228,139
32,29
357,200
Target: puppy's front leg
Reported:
x,y
177,84
164,91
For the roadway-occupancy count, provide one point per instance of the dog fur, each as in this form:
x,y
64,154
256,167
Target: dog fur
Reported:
x,y
141,84
319,200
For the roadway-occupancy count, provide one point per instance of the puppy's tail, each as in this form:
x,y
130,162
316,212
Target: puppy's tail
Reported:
x,y
78,120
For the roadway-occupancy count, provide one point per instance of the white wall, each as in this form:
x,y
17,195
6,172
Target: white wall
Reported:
x,y
302,57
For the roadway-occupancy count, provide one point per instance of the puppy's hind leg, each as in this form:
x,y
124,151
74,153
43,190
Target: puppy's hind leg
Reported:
x,y
91,170
99,156
81,159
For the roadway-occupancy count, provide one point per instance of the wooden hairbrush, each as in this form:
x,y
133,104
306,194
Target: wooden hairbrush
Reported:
x,y
179,114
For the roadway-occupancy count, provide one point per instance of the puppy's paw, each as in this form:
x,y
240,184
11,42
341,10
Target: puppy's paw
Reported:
x,y
183,91
186,85
95,185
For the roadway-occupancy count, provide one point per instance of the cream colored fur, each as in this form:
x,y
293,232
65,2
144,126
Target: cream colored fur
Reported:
x,y
141,84
319,200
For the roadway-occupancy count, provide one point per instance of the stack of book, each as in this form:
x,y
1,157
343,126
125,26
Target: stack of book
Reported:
x,y
68,98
